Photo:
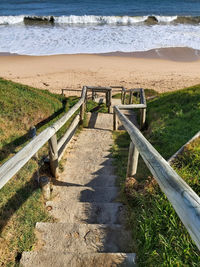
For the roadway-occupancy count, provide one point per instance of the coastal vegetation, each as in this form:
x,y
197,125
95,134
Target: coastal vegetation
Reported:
x,y
160,237
21,201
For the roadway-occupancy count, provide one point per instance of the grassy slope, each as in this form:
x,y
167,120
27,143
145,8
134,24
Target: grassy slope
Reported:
x,y
172,119
20,108
21,203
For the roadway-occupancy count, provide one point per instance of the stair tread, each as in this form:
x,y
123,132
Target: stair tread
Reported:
x,y
88,180
65,259
90,231
84,212
73,237
89,194
89,168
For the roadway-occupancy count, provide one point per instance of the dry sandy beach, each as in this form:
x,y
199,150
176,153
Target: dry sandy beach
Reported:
x,y
162,70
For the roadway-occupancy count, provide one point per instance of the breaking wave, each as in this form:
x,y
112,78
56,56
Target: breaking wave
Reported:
x,y
99,20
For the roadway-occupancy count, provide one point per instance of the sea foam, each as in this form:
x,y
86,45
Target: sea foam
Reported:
x,y
124,20
48,40
98,20
11,20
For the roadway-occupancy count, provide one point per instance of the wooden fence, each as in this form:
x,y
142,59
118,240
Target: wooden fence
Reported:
x,y
56,149
184,200
142,106
14,164
106,90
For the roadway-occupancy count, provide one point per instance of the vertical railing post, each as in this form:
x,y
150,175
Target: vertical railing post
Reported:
x,y
86,98
115,126
82,112
53,155
142,117
83,107
122,95
132,160
131,97
106,98
109,100
124,98
93,95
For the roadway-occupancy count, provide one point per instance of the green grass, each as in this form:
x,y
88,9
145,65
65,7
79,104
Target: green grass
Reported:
x,y
148,93
96,107
173,119
117,96
20,108
161,238
21,201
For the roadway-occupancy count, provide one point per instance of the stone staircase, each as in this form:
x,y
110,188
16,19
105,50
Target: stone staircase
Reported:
x,y
90,229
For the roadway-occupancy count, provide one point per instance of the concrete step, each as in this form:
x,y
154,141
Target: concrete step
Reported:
x,y
92,213
88,194
64,259
84,238
101,181
101,121
95,143
94,147
89,180
100,132
89,168
103,158
98,176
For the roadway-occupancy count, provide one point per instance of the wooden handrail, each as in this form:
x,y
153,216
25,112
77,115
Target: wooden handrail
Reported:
x,y
98,88
184,200
142,106
106,90
56,149
131,106
142,97
14,164
173,157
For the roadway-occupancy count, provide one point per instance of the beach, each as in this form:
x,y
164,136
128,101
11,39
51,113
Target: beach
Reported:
x,y
61,44
168,70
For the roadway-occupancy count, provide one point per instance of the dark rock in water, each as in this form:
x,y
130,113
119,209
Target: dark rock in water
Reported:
x,y
151,20
187,20
38,20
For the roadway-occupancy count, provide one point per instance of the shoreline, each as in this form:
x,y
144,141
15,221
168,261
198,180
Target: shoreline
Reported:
x,y
182,54
176,69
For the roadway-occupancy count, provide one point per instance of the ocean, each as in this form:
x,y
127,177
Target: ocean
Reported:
x,y
51,27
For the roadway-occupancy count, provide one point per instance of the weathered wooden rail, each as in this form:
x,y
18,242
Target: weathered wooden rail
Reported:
x,y
173,157
184,200
142,106
106,90
14,164
56,149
